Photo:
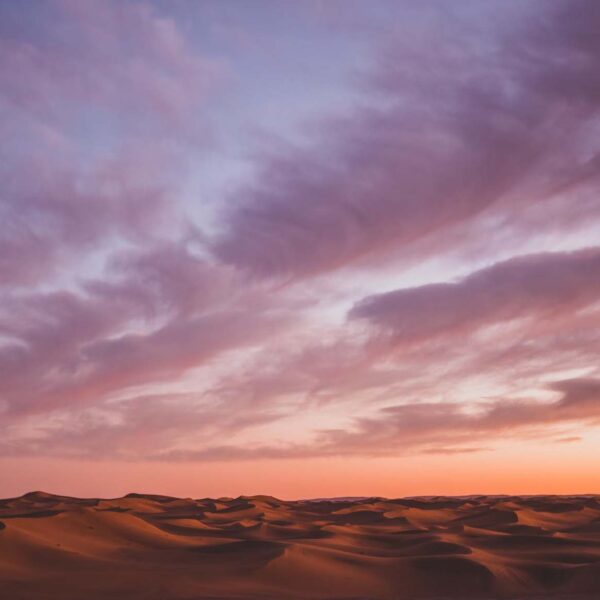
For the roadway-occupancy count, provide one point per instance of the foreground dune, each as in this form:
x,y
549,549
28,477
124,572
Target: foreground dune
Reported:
x,y
158,547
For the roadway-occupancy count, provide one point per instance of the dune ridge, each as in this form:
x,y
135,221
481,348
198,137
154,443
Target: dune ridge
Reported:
x,y
145,546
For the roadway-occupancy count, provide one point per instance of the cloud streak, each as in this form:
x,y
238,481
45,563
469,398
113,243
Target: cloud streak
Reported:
x,y
535,286
468,131
432,428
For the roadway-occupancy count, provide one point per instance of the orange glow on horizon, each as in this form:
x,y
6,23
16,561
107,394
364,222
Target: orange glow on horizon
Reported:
x,y
481,473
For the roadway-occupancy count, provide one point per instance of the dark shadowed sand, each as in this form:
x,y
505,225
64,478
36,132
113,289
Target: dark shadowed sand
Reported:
x,y
163,548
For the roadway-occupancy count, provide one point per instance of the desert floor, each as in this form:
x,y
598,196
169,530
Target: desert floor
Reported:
x,y
158,547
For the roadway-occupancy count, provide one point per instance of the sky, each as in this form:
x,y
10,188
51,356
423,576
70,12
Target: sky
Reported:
x,y
307,249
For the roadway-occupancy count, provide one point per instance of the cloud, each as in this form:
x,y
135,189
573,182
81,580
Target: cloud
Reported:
x,y
163,312
101,116
431,428
114,55
167,428
450,450
473,130
410,425
503,327
141,426
568,440
534,286
54,214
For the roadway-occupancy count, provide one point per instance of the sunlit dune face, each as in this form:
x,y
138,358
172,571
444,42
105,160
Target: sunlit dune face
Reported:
x,y
331,249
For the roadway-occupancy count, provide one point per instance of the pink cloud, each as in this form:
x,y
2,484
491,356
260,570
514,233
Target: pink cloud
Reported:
x,y
431,428
443,423
163,312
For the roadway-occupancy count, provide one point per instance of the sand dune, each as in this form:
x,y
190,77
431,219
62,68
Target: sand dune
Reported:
x,y
158,547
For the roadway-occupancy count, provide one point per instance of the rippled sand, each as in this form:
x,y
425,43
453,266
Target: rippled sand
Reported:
x,y
158,547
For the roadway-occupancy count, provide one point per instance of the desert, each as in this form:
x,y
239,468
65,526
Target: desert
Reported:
x,y
300,300
253,547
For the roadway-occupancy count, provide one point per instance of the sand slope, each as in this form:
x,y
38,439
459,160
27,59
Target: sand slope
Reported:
x,y
163,548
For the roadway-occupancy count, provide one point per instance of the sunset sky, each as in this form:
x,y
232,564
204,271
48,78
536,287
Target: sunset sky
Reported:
x,y
314,248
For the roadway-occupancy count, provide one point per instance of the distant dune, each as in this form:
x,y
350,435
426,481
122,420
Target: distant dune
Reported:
x,y
162,548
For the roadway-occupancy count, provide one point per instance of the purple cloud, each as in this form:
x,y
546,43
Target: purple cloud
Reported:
x,y
101,102
544,285
469,130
